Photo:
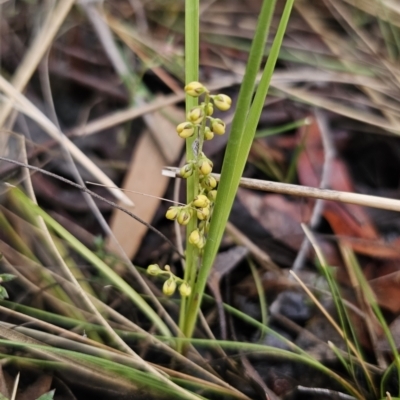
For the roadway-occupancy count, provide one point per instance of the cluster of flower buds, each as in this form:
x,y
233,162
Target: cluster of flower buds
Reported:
x,y
170,285
203,113
200,122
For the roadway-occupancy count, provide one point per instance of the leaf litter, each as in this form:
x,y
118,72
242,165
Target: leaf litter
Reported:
x,y
337,58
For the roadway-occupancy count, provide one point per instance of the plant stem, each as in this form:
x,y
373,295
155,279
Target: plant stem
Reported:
x,y
192,17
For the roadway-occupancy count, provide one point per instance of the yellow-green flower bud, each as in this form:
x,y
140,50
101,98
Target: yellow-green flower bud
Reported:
x,y
195,89
172,213
185,290
201,201
183,217
185,130
186,171
153,269
205,166
194,237
202,225
218,126
208,133
222,102
201,242
209,182
212,195
169,286
203,213
196,115
209,109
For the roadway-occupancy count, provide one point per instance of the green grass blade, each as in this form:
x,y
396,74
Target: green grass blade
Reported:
x,y
243,130
103,268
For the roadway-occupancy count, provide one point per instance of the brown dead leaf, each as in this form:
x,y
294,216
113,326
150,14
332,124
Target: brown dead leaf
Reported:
x,y
278,215
347,220
387,291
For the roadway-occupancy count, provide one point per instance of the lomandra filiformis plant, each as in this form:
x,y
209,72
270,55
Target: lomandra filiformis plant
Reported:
x,y
201,123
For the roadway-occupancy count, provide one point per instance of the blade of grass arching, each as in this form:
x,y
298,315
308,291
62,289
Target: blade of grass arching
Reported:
x,y
342,312
109,369
260,291
127,331
364,305
340,357
32,227
14,239
349,254
98,263
385,378
244,126
254,348
282,128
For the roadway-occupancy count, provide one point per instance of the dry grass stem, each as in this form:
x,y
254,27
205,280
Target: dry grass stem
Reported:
x,y
310,192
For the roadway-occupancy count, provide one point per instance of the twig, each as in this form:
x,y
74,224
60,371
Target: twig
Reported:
x,y
306,191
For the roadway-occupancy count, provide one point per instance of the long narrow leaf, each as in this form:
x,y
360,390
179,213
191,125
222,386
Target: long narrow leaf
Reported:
x,y
114,278
243,130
